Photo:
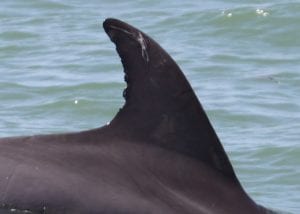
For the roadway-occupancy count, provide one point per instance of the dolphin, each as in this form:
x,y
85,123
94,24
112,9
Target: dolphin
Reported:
x,y
159,154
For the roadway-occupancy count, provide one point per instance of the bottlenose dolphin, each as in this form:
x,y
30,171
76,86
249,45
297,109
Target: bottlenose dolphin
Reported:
x,y
159,154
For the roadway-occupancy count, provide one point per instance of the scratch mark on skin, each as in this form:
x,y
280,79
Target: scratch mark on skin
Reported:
x,y
143,44
121,29
184,199
139,38
8,178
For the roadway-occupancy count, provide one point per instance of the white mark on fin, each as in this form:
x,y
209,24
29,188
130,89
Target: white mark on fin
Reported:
x,y
121,29
140,39
143,44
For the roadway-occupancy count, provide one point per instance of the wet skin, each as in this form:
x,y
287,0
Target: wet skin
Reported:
x,y
159,154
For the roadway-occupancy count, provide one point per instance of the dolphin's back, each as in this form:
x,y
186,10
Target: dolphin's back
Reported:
x,y
159,154
59,174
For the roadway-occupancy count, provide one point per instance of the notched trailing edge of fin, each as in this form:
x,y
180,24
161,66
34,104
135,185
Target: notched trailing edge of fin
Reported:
x,y
160,105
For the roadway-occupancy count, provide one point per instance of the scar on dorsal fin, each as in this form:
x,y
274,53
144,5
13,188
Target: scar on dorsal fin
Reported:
x,y
160,105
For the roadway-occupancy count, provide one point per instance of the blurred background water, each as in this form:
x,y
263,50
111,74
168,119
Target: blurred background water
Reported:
x,y
59,72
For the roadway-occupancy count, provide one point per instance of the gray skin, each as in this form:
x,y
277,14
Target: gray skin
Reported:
x,y
159,154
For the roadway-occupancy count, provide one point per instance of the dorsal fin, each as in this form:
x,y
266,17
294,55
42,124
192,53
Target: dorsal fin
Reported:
x,y
161,106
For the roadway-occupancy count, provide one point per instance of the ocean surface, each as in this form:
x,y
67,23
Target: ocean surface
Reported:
x,y
59,72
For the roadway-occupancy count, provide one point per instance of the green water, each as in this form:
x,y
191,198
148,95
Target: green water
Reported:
x,y
59,72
